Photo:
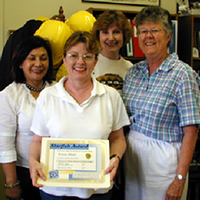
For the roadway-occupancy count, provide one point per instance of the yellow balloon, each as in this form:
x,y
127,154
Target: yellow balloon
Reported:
x,y
42,18
81,21
56,32
62,71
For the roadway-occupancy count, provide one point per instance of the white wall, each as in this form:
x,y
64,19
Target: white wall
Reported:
x,y
14,14
2,178
1,24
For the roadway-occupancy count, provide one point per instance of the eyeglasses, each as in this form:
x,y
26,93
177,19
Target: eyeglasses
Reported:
x,y
154,32
86,57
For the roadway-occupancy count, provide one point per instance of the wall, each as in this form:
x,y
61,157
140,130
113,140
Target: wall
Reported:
x,y
1,25
13,14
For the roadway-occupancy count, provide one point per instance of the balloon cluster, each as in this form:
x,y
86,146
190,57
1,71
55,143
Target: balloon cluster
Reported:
x,y
81,21
57,32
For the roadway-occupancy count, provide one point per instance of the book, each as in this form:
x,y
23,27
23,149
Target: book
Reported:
x,y
122,51
172,48
136,49
195,51
198,41
129,46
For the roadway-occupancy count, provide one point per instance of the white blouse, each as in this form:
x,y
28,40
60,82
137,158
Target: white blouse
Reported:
x,y
17,106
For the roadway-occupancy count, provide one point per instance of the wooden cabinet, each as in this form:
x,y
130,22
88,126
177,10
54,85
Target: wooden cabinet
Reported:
x,y
188,38
130,15
194,174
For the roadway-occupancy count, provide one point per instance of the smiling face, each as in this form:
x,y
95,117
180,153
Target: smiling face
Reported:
x,y
81,67
153,46
35,66
111,40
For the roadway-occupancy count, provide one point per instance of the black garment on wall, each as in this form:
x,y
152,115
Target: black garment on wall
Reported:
x,y
28,29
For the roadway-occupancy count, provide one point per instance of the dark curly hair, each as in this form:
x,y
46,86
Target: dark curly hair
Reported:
x,y
109,17
22,51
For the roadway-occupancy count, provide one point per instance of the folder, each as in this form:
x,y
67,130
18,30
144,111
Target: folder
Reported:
x,y
136,49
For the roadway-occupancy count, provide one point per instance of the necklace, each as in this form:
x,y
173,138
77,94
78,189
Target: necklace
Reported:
x,y
34,89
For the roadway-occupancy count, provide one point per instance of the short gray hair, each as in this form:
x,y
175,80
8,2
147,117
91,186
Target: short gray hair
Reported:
x,y
155,14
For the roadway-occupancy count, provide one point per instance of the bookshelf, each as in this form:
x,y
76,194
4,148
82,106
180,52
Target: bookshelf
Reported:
x,y
189,37
188,30
130,15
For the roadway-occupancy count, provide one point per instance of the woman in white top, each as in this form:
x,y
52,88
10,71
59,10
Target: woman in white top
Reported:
x,y
78,106
113,30
31,72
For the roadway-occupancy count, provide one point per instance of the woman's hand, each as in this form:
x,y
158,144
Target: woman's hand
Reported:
x,y
116,139
13,193
12,190
34,157
36,172
175,190
112,168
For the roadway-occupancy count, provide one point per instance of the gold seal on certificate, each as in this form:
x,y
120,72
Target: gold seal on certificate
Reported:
x,y
75,163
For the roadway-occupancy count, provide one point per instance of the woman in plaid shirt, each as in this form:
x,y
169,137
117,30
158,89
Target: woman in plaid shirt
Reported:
x,y
162,98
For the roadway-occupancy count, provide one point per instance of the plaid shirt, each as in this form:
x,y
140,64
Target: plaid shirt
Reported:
x,y
160,105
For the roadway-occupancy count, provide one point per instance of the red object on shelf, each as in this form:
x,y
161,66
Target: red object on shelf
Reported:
x,y
137,52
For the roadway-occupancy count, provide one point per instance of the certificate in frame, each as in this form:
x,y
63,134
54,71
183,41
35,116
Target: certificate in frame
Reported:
x,y
128,2
75,163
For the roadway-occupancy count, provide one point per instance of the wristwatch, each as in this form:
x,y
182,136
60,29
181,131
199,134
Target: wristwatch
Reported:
x,y
180,177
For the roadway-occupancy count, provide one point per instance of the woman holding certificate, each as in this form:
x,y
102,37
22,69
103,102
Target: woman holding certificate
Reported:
x,y
78,107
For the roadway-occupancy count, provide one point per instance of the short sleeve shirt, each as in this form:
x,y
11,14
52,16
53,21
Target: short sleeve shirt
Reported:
x,y
160,105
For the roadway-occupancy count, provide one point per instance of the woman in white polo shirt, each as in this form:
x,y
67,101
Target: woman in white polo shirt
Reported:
x,y
78,106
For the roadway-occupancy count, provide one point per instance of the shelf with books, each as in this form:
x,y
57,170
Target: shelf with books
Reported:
x,y
196,58
189,40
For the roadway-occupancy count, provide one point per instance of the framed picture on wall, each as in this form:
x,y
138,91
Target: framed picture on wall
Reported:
x,y
128,2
